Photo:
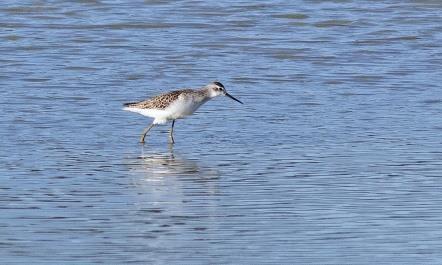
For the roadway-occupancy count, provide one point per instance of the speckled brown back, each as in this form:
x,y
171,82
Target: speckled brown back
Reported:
x,y
161,101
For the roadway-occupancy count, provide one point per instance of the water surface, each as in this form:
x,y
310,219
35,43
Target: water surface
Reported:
x,y
335,157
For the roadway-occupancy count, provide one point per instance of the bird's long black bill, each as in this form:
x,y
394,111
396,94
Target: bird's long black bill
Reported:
x,y
230,96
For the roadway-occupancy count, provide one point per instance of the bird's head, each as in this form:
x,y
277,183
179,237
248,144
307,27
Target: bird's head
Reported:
x,y
218,89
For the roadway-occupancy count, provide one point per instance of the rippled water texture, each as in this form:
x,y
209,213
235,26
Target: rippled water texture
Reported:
x,y
334,158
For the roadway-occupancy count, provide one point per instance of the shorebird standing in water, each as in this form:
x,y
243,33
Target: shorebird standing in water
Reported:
x,y
175,105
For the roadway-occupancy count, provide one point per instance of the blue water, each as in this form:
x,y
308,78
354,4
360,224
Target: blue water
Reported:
x,y
334,158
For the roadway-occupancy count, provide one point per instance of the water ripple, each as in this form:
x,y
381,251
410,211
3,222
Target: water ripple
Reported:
x,y
334,157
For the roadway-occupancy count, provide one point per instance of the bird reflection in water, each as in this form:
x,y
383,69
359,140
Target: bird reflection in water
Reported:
x,y
169,183
157,165
173,195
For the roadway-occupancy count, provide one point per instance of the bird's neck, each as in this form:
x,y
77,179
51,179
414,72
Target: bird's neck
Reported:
x,y
207,93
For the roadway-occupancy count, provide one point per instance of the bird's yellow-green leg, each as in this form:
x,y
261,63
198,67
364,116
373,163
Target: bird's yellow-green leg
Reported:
x,y
143,135
171,133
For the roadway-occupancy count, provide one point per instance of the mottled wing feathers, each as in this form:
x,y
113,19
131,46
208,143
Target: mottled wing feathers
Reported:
x,y
159,102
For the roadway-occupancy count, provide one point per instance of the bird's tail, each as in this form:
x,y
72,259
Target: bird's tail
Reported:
x,y
129,104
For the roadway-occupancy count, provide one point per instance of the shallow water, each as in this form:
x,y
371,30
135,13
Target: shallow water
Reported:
x,y
335,157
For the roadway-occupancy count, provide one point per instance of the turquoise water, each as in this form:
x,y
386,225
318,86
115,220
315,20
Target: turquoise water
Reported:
x,y
335,157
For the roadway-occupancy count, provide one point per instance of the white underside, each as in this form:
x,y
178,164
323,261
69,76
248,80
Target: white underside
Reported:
x,y
178,109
